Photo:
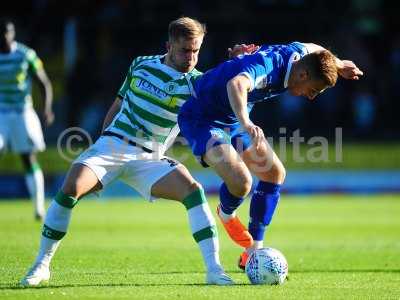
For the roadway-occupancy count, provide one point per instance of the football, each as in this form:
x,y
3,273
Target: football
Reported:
x,y
266,266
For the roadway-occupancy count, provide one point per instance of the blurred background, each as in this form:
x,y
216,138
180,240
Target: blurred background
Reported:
x,y
87,47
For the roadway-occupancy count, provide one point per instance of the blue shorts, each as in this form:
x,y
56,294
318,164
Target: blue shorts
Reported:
x,y
202,135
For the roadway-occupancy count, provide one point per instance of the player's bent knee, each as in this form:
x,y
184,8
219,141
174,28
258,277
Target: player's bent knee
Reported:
x,y
240,186
276,174
80,181
75,188
245,188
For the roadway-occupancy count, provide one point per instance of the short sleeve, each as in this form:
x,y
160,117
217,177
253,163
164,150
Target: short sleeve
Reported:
x,y
256,68
34,62
125,85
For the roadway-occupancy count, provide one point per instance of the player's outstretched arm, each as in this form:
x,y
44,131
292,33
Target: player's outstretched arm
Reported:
x,y
47,92
346,68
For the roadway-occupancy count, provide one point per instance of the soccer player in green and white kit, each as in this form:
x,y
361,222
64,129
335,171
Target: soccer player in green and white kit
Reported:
x,y
20,129
139,127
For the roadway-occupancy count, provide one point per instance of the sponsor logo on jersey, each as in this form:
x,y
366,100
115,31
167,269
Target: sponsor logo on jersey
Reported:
x,y
150,88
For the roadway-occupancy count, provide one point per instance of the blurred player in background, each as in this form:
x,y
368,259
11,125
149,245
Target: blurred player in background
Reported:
x,y
217,126
20,129
139,127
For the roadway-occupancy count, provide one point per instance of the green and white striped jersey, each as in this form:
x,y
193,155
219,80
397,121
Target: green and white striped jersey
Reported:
x,y
16,69
152,95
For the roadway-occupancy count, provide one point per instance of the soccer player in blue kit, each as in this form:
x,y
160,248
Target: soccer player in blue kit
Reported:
x,y
216,123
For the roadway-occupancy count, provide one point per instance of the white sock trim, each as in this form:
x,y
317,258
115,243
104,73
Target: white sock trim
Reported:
x,y
226,217
256,245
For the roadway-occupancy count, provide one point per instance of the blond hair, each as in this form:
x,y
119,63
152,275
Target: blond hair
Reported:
x,y
322,66
186,28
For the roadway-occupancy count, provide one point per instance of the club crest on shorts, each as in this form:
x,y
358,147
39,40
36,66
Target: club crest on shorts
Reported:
x,y
218,134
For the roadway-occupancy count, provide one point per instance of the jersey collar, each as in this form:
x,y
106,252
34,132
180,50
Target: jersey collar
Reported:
x,y
171,70
294,57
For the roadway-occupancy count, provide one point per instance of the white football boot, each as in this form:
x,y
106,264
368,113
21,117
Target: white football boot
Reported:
x,y
219,278
36,275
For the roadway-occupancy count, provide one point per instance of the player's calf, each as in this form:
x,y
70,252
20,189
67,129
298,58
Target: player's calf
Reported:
x,y
262,208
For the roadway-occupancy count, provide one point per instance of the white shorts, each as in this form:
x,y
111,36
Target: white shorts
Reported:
x,y
111,158
20,130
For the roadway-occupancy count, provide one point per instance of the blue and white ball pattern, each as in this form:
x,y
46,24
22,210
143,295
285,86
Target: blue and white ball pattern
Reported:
x,y
266,266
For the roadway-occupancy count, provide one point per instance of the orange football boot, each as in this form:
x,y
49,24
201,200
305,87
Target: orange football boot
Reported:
x,y
235,229
243,260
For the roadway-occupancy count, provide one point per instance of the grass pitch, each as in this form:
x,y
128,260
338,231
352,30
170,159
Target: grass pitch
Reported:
x,y
359,156
338,247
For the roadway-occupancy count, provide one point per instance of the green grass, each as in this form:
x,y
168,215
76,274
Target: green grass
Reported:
x,y
338,247
354,156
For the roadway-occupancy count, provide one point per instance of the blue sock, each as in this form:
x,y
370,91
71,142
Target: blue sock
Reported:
x,y
262,207
229,202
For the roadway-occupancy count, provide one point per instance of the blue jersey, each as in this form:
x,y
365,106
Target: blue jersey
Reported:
x,y
268,71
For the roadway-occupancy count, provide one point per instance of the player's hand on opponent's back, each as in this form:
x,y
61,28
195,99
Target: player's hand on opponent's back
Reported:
x,y
48,116
256,133
242,49
348,70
